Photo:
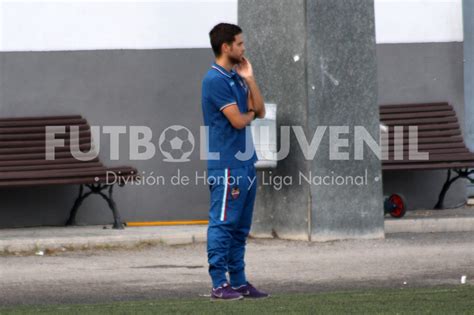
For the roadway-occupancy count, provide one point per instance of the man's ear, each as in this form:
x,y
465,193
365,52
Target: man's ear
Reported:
x,y
224,47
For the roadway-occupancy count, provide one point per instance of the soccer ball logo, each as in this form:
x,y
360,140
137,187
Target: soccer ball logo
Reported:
x,y
176,144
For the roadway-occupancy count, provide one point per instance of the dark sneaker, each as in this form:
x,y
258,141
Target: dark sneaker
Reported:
x,y
225,293
249,291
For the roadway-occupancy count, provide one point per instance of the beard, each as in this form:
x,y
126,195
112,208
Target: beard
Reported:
x,y
235,60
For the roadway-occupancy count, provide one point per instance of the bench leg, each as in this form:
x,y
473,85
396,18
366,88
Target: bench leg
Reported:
x,y
447,184
110,201
96,189
77,203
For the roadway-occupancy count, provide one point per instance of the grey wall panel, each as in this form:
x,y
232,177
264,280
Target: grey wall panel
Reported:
x,y
284,212
159,88
342,67
468,19
468,12
154,88
417,73
322,35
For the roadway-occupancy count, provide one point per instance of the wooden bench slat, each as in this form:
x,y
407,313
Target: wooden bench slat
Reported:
x,y
429,146
64,181
51,173
442,113
42,149
414,109
459,139
433,166
414,105
421,134
436,158
66,160
434,151
420,121
43,123
64,173
41,129
50,166
38,156
40,136
33,118
439,126
38,142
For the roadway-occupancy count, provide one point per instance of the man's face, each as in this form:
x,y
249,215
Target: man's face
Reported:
x,y
235,52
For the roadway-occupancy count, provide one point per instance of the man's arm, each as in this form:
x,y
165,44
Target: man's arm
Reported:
x,y
255,99
225,102
237,119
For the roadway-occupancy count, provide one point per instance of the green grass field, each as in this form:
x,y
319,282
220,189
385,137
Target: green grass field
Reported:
x,y
455,300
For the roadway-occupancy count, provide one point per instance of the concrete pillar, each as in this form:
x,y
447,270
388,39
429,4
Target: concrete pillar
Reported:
x,y
316,59
468,12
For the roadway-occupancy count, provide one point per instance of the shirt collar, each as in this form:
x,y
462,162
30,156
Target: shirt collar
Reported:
x,y
223,70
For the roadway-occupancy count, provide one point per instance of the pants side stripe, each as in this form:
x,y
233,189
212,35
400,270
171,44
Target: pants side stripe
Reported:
x,y
224,197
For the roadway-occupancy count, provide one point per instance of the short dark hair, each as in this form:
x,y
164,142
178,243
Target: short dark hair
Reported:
x,y
223,33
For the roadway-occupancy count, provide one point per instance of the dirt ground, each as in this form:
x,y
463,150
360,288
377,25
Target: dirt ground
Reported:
x,y
400,260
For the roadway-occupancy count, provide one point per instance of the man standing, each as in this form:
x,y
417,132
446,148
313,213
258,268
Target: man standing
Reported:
x,y
231,99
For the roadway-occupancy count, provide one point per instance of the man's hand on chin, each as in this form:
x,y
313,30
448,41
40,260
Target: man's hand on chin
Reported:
x,y
244,69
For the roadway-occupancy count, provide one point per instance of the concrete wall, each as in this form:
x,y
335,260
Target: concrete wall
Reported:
x,y
468,10
468,14
333,83
283,213
342,91
154,88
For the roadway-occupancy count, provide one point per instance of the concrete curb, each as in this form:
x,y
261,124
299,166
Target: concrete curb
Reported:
x,y
429,225
28,241
30,244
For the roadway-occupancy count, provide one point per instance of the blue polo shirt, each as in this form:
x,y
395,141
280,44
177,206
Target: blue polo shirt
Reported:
x,y
221,88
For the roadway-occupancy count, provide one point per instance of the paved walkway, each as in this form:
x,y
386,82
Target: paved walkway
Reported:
x,y
93,276
53,239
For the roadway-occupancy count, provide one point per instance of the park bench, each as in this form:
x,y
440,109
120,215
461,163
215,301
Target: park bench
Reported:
x,y
439,134
23,161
